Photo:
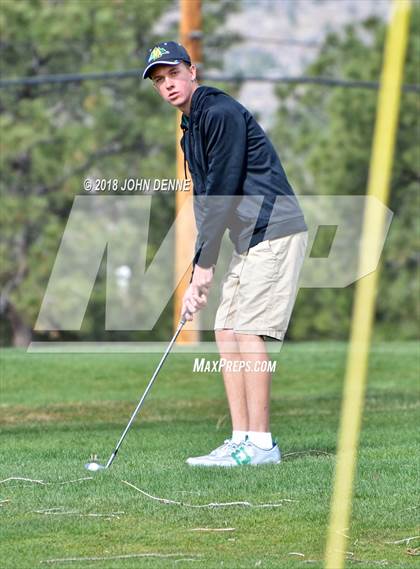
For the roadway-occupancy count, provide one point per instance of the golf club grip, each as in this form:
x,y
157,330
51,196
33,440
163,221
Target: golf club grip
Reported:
x,y
184,319
140,403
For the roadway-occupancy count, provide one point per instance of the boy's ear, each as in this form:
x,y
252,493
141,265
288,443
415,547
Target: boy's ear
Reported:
x,y
193,69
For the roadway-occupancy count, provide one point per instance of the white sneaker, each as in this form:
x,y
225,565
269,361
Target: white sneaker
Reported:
x,y
211,459
244,453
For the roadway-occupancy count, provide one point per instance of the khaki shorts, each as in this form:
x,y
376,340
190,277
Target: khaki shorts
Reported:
x,y
259,289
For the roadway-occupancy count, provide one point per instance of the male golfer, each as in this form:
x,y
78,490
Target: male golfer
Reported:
x,y
240,185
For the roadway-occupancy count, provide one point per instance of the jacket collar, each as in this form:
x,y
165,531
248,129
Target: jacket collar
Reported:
x,y
197,103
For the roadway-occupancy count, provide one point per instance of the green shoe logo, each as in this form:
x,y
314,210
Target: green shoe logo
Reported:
x,y
240,456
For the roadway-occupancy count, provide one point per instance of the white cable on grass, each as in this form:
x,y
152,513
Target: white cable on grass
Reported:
x,y
23,479
211,505
212,529
112,557
58,512
406,540
42,481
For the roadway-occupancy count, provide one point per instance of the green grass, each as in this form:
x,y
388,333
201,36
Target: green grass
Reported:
x,y
58,409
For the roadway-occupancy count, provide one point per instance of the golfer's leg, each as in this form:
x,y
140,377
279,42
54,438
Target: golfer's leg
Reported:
x,y
257,383
234,380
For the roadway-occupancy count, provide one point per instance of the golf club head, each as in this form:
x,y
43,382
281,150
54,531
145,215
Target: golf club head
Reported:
x,y
94,466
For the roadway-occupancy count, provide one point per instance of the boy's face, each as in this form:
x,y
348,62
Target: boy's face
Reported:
x,y
175,83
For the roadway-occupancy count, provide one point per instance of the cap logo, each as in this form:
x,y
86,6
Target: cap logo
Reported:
x,y
156,53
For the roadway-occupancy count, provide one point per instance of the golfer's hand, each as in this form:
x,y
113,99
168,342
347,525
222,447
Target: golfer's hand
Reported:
x,y
193,300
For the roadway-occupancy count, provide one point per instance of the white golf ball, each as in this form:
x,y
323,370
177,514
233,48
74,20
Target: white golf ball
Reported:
x,y
92,466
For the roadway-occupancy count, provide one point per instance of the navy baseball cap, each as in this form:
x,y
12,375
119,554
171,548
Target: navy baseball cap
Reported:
x,y
166,52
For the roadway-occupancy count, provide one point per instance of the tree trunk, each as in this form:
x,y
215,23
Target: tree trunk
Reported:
x,y
22,334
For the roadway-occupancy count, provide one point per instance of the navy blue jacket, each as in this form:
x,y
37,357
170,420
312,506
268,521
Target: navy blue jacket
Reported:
x,y
237,176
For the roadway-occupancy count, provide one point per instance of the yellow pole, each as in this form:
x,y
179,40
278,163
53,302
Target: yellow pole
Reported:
x,y
364,304
190,27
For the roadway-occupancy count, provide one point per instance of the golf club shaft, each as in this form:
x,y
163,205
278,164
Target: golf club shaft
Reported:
x,y
140,403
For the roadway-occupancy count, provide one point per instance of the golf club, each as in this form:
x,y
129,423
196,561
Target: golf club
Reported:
x,y
94,466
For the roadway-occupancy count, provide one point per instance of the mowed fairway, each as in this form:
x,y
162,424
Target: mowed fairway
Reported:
x,y
58,409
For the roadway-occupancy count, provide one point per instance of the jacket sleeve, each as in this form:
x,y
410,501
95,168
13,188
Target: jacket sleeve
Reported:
x,y
225,144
